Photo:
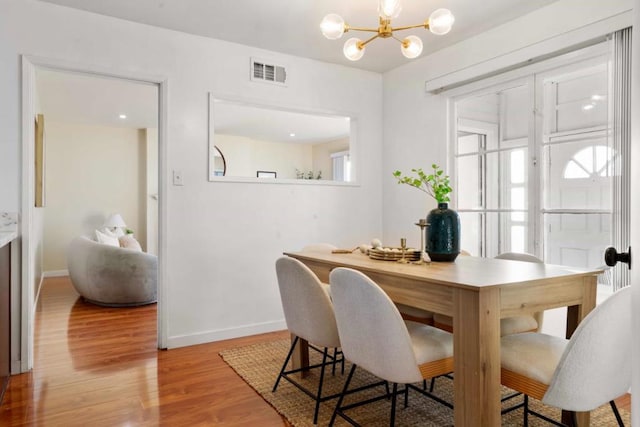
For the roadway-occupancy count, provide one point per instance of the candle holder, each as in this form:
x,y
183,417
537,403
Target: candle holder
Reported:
x,y
403,248
422,223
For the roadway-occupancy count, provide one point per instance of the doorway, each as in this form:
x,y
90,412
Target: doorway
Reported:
x,y
32,220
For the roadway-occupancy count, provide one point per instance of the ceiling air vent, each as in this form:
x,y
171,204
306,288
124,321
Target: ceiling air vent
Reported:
x,y
261,71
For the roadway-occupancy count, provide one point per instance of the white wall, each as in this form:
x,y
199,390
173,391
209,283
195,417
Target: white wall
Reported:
x,y
92,171
222,238
415,122
416,127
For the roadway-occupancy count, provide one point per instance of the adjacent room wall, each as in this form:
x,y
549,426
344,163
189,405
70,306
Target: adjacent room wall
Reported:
x,y
245,156
222,238
322,160
92,171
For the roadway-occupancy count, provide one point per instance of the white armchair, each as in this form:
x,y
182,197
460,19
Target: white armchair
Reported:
x,y
112,276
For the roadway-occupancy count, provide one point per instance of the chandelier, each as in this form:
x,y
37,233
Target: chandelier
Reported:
x,y
333,26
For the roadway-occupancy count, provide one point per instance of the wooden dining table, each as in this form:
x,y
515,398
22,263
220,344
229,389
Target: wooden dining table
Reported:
x,y
477,293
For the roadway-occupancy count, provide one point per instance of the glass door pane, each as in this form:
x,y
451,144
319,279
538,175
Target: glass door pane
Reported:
x,y
491,164
577,164
577,240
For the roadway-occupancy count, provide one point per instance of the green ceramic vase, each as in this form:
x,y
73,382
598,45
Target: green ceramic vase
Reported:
x,y
443,234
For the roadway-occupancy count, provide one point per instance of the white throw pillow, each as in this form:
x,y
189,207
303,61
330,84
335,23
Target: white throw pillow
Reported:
x,y
106,239
116,232
129,242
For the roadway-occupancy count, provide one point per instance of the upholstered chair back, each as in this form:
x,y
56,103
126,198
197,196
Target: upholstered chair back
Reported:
x,y
372,332
518,320
595,368
324,248
519,256
307,307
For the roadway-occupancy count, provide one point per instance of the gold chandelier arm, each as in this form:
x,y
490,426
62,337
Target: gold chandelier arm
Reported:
x,y
363,44
424,25
348,28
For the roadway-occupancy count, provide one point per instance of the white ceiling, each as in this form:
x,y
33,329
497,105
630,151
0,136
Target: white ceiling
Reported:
x,y
277,125
292,26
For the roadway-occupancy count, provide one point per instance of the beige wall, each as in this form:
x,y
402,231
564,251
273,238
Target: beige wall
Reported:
x,y
91,172
322,156
245,156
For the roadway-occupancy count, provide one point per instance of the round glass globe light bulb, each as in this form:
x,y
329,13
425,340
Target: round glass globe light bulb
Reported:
x,y
389,9
441,21
351,49
411,47
332,26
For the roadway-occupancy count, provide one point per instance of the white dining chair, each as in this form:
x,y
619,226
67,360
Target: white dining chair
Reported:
x,y
324,248
309,315
508,325
374,337
579,374
408,312
524,323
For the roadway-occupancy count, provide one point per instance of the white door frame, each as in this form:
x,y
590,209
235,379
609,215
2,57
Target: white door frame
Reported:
x,y
635,214
26,317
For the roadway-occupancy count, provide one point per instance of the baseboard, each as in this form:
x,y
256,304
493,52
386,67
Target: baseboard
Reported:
x,y
225,334
55,273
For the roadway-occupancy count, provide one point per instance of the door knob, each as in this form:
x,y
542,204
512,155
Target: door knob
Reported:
x,y
611,257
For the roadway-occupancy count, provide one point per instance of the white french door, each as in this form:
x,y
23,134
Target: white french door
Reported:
x,y
491,174
577,169
533,164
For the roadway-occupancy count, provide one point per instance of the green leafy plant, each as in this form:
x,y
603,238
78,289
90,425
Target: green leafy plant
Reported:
x,y
308,175
435,184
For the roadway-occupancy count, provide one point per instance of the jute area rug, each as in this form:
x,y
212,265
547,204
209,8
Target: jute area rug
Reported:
x,y
259,365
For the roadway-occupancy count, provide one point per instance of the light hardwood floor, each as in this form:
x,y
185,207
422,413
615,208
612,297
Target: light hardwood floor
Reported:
x,y
96,366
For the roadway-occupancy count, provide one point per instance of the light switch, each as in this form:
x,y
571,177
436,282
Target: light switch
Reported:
x,y
177,177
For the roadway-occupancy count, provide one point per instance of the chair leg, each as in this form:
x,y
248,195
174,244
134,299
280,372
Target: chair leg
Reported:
x,y
286,361
335,355
341,398
526,411
432,385
614,408
319,394
406,396
392,422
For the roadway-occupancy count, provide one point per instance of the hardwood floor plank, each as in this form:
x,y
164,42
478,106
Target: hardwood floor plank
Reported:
x,y
99,366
